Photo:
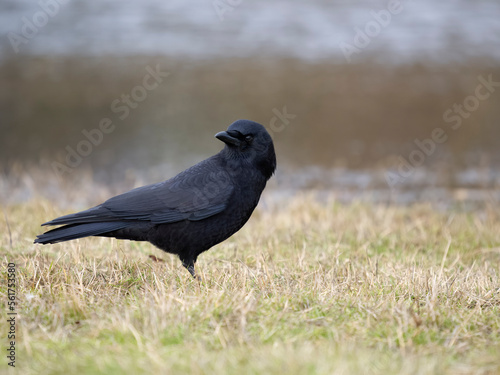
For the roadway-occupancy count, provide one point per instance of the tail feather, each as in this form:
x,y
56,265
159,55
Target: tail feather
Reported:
x,y
96,214
74,231
92,215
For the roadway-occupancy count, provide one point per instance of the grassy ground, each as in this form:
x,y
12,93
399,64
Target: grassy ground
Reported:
x,y
303,288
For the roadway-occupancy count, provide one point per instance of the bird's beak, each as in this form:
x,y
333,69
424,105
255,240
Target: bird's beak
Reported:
x,y
228,138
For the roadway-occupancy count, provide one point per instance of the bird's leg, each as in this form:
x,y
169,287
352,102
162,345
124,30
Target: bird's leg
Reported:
x,y
191,271
190,268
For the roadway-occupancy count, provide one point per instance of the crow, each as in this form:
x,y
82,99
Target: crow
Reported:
x,y
191,212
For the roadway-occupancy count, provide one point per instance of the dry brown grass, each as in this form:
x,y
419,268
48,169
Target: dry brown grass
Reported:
x,y
303,288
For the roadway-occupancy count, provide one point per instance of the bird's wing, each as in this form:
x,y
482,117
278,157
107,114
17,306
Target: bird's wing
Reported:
x,y
195,194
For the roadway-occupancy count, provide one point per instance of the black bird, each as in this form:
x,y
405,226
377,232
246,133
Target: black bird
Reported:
x,y
191,212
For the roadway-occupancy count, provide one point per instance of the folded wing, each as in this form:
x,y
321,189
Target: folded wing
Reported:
x,y
197,193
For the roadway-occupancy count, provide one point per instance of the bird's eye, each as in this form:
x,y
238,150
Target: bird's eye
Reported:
x,y
249,138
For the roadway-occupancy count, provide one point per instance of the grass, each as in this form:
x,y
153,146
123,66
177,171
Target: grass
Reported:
x,y
303,288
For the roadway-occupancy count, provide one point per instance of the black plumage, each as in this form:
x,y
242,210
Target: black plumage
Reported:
x,y
191,212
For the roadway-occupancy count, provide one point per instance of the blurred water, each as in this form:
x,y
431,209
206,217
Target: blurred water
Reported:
x,y
426,30
313,29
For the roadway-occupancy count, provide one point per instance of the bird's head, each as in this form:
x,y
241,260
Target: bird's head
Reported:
x,y
249,140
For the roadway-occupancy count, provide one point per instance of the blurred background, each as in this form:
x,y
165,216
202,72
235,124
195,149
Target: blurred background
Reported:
x,y
389,101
